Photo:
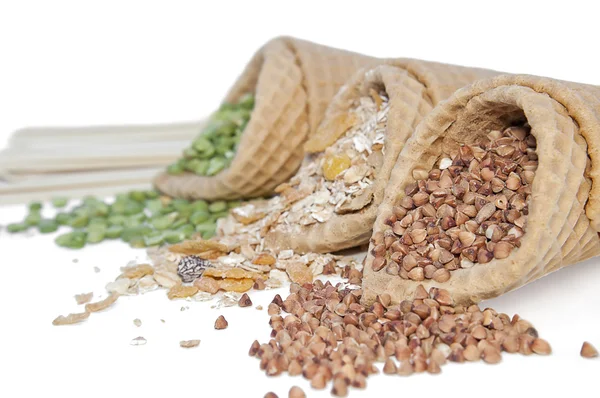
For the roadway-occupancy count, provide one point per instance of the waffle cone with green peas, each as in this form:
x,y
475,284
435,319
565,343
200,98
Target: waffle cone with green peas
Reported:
x,y
284,91
213,150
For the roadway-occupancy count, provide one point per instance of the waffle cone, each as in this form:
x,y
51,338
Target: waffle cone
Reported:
x,y
293,82
413,88
563,221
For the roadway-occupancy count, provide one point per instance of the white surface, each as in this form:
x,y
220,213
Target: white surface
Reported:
x,y
111,62
95,359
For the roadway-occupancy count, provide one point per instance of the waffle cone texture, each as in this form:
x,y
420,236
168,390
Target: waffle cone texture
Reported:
x,y
563,221
293,82
413,87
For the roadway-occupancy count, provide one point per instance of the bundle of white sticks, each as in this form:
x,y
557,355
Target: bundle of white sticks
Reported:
x,y
41,163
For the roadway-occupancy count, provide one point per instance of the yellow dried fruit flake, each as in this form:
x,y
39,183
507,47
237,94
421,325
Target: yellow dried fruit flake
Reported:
x,y
329,131
264,259
70,319
102,304
137,271
376,98
181,291
190,247
210,254
236,285
333,165
247,214
233,273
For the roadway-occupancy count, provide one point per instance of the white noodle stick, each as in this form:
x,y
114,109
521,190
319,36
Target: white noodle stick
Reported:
x,y
73,180
106,149
32,133
108,139
104,191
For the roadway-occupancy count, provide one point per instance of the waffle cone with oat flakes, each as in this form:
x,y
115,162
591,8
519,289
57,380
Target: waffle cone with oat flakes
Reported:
x,y
337,209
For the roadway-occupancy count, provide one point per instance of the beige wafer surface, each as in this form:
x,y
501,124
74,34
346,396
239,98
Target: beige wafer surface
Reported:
x,y
293,82
563,220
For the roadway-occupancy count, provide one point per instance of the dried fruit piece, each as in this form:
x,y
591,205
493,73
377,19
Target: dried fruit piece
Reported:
x,y
84,298
189,343
236,285
181,291
207,284
588,350
247,214
232,273
221,323
299,273
137,271
333,165
71,318
376,98
329,131
197,247
103,304
264,259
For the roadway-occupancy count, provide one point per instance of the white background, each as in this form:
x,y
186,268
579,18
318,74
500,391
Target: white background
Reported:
x,y
81,63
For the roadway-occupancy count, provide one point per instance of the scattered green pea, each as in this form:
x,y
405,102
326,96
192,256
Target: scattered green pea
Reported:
x,y
154,238
17,227
35,206
72,240
207,230
200,205
62,218
215,165
163,222
33,218
59,202
179,222
113,231
47,226
154,205
174,237
152,194
96,233
175,169
217,206
197,166
199,217
187,229
117,219
79,221
140,218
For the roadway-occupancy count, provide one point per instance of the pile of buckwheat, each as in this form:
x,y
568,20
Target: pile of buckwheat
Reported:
x,y
470,209
322,332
